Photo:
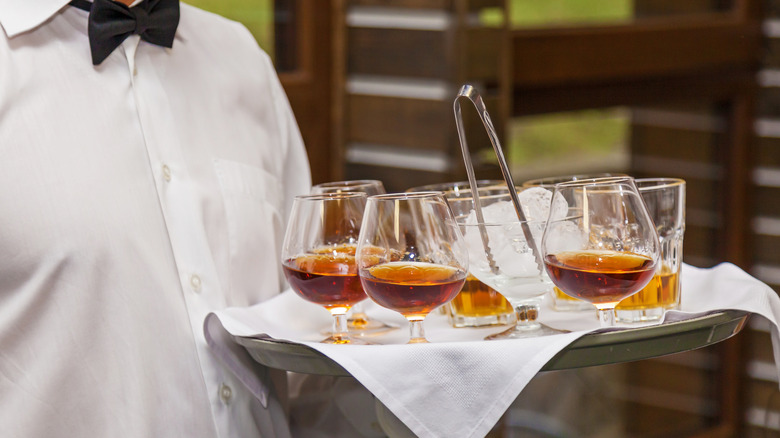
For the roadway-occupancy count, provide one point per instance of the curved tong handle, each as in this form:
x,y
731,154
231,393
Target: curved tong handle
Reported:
x,y
469,92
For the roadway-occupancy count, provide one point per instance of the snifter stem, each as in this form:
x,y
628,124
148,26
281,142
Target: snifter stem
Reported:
x,y
607,317
417,332
340,334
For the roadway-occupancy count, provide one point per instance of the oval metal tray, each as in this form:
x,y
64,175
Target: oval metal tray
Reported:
x,y
592,349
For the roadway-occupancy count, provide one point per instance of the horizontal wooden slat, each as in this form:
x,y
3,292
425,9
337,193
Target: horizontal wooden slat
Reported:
x,y
569,96
768,103
765,250
474,5
409,123
772,53
674,143
659,422
415,123
412,4
757,394
762,406
771,9
768,150
759,346
699,242
398,52
701,194
427,4
645,48
670,377
398,180
483,54
766,201
672,7
394,179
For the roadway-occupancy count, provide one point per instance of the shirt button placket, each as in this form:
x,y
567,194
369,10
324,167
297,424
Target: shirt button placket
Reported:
x,y
225,393
195,283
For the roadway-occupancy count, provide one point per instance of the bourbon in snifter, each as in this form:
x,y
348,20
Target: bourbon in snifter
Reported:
x,y
328,279
598,276
413,289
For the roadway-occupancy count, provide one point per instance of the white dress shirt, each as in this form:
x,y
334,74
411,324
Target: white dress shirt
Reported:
x,y
135,197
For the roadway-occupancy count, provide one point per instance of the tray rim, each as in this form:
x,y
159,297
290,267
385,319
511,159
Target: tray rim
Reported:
x,y
592,349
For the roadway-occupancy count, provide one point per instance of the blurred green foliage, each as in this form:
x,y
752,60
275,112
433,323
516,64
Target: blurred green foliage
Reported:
x,y
549,12
256,15
567,135
537,13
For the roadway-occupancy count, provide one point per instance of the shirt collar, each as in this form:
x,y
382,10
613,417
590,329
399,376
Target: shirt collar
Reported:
x,y
17,16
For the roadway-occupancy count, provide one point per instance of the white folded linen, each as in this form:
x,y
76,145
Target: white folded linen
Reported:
x,y
459,385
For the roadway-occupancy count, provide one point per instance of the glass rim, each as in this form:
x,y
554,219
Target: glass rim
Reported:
x,y
488,195
347,183
553,180
330,196
407,195
661,183
460,220
597,181
455,186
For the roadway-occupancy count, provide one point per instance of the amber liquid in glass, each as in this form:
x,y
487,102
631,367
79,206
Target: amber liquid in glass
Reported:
x,y
599,277
561,295
477,300
329,280
412,289
662,291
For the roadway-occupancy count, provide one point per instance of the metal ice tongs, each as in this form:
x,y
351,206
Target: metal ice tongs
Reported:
x,y
469,92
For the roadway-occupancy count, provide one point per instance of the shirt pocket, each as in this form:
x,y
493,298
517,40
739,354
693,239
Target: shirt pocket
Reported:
x,y
253,200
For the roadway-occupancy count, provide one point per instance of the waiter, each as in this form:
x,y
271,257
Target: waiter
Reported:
x,y
148,158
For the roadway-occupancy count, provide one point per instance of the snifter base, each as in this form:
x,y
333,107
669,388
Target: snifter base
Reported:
x,y
364,326
460,321
521,331
564,303
344,340
640,315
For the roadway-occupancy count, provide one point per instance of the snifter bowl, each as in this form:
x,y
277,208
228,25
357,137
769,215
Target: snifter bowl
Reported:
x,y
603,247
410,256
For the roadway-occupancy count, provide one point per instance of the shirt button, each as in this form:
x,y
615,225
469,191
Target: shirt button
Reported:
x,y
166,172
225,393
195,283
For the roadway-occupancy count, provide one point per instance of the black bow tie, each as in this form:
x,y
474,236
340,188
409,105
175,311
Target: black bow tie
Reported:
x,y
110,23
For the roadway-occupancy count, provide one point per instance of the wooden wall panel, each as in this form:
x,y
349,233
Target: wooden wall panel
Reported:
x,y
394,179
645,49
483,54
411,4
699,245
772,53
674,143
671,377
768,103
655,421
766,250
675,7
411,123
759,346
768,150
398,52
767,201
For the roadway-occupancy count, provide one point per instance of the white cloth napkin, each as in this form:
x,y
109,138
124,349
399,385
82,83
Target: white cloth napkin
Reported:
x,y
459,385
